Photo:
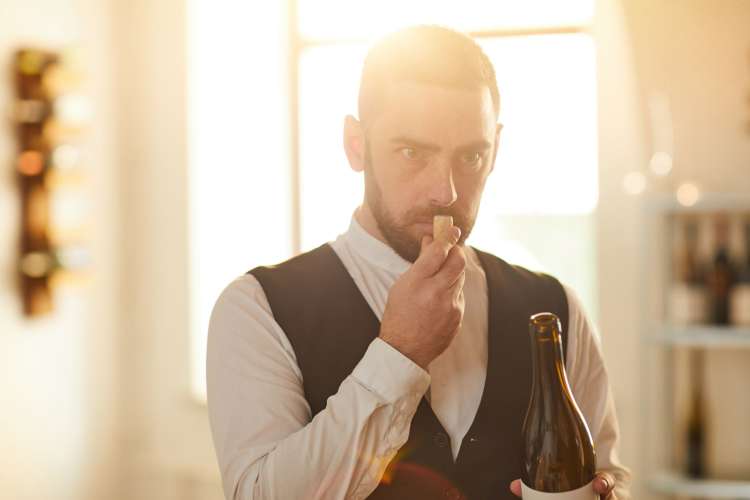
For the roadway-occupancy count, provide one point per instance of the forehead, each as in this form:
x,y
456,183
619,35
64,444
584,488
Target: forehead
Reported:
x,y
438,113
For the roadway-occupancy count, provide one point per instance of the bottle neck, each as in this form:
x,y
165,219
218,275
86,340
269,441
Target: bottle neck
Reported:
x,y
549,378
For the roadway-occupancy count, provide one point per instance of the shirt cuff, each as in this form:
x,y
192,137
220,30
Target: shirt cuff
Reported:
x,y
389,374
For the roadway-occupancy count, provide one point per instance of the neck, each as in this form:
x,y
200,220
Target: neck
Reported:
x,y
364,217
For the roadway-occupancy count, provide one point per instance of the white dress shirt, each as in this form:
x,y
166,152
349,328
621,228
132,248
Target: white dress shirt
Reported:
x,y
269,446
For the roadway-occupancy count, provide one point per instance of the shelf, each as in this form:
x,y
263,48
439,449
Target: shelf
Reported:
x,y
671,483
709,202
705,336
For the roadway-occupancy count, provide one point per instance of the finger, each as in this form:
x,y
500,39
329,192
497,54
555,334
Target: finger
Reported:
x,y
515,487
457,294
457,286
604,483
454,265
450,236
426,240
432,257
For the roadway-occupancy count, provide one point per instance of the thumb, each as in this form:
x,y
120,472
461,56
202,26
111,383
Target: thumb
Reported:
x,y
431,257
515,487
604,483
426,240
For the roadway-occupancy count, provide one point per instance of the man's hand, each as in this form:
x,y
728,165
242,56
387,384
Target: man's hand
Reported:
x,y
426,304
604,485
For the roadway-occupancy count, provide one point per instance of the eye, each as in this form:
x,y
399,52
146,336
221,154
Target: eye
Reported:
x,y
409,153
471,159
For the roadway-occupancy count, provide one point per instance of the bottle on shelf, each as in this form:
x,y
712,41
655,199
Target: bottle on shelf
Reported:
x,y
73,258
558,453
688,297
30,163
739,298
721,273
30,62
30,111
695,465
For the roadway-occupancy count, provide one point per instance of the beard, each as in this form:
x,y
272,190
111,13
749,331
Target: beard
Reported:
x,y
397,233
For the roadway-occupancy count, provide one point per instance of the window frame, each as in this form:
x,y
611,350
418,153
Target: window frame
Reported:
x,y
298,44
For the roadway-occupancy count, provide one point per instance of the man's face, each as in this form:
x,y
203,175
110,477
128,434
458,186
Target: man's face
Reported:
x,y
428,152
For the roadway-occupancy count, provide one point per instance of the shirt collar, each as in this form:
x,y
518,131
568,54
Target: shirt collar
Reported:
x,y
372,249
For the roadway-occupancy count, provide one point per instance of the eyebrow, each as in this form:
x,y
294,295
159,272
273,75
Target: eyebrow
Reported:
x,y
479,144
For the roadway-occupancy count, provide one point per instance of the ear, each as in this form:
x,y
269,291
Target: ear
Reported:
x,y
354,143
498,129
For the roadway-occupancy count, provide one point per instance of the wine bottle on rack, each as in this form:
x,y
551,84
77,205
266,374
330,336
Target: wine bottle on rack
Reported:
x,y
739,300
688,299
720,276
696,425
558,460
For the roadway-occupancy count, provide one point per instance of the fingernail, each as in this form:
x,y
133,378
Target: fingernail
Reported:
x,y
604,482
457,235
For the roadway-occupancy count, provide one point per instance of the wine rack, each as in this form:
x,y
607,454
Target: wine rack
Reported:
x,y
694,305
49,116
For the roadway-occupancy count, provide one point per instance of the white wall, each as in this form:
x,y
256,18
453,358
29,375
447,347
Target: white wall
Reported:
x,y
58,375
621,150
167,446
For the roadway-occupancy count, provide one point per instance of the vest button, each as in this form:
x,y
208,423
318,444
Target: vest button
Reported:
x,y
441,439
453,494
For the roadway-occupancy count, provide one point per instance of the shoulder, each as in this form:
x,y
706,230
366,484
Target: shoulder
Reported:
x,y
315,268
301,263
580,320
242,325
242,299
520,277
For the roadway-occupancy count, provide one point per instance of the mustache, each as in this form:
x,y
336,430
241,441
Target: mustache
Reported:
x,y
427,215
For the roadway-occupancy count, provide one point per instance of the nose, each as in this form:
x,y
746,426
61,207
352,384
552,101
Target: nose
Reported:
x,y
442,189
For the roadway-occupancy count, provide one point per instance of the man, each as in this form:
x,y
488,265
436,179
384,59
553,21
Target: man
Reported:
x,y
386,364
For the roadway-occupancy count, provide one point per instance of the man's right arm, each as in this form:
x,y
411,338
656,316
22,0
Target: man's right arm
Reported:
x,y
267,443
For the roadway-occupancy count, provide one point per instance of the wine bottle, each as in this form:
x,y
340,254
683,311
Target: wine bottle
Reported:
x,y
739,300
558,457
688,299
720,277
696,426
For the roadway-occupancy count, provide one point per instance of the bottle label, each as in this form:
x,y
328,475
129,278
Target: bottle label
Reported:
x,y
583,493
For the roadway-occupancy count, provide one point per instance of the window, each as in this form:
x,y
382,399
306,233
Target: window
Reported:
x,y
538,205
239,176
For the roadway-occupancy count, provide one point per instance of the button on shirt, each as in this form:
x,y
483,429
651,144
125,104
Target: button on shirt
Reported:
x,y
268,444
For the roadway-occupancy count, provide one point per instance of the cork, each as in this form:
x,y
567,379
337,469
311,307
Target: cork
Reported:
x,y
441,228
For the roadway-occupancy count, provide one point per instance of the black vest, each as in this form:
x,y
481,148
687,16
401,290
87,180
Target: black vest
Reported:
x,y
330,325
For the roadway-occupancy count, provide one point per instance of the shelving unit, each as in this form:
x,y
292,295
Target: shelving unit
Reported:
x,y
671,483
660,344
705,336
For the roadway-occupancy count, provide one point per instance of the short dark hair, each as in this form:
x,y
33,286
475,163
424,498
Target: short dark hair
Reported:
x,y
424,54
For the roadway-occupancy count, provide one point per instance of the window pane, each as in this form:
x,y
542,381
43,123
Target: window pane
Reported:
x,y
239,176
543,191
361,19
547,161
330,190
